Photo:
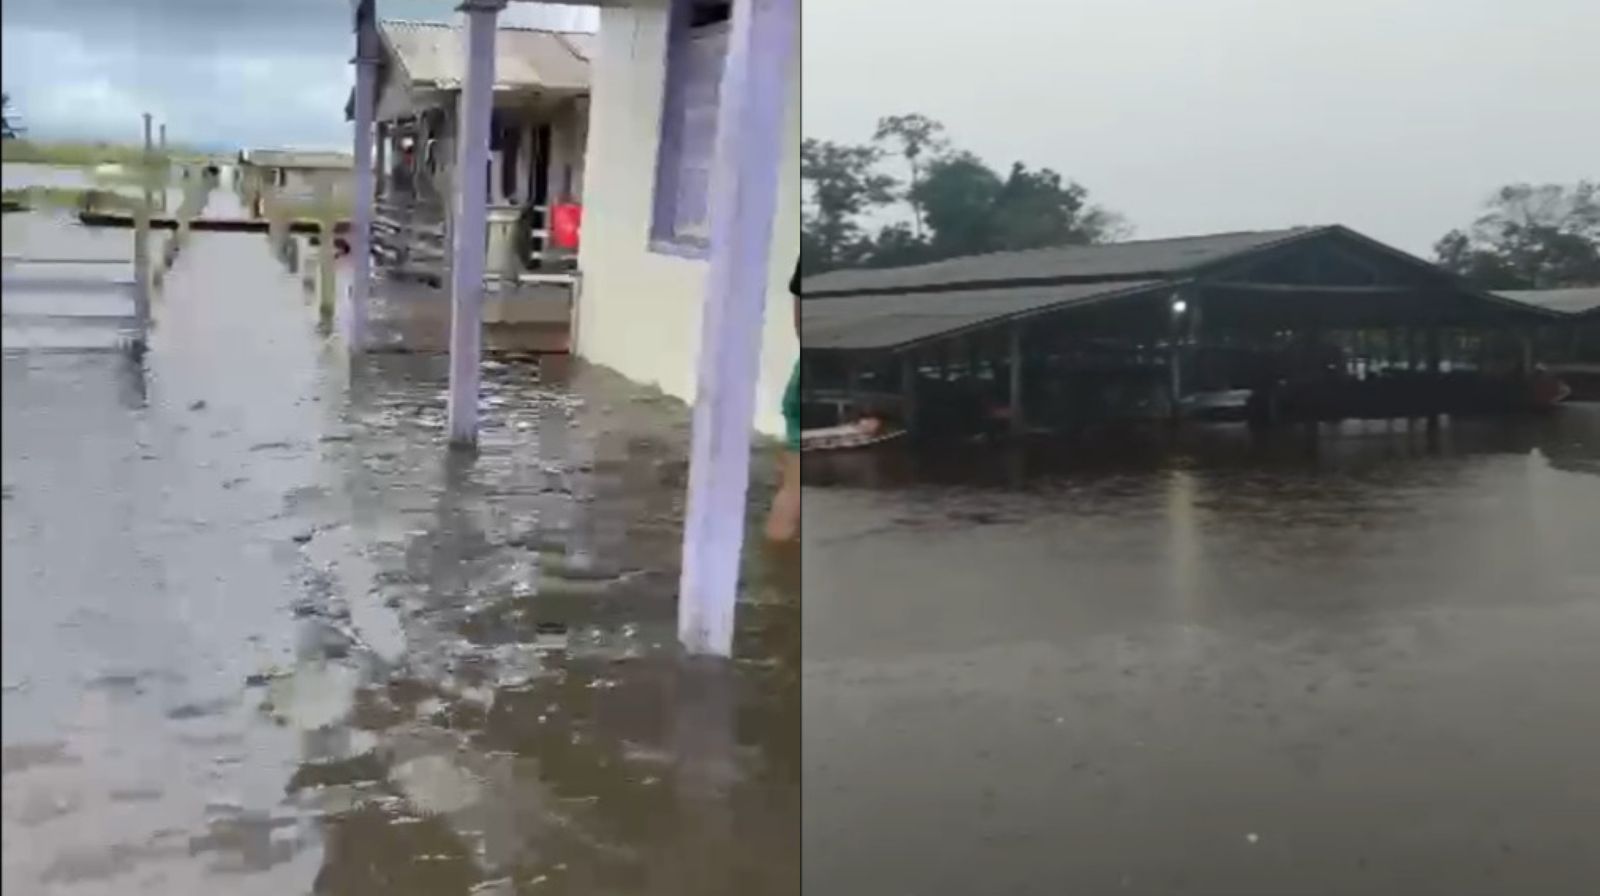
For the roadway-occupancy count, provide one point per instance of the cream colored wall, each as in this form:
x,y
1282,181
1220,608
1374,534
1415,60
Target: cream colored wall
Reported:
x,y
640,311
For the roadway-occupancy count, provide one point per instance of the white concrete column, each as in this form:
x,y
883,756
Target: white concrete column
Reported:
x,y
366,62
469,236
743,201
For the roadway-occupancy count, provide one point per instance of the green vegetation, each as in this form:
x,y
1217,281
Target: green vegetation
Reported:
x,y
9,129
80,154
958,204
1543,236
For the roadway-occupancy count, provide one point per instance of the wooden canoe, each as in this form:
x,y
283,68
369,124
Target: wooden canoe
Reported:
x,y
846,438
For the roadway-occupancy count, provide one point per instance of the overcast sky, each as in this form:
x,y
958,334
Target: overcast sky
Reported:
x,y
255,73
1394,117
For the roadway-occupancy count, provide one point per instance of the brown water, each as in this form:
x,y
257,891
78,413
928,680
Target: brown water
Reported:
x,y
264,634
1362,662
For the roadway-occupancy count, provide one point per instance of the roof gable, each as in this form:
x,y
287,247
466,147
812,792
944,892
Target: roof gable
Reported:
x,y
430,54
1133,260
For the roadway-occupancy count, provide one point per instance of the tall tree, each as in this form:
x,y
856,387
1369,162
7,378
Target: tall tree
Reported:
x,y
959,194
1038,208
843,184
1530,237
8,128
916,136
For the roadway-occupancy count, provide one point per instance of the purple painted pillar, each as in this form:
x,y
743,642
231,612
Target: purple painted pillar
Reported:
x,y
469,231
366,62
744,200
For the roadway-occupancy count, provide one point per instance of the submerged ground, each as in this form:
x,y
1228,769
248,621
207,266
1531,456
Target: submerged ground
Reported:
x,y
264,634
1363,662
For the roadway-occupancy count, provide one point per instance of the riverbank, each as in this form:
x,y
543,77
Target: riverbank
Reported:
x,y
68,154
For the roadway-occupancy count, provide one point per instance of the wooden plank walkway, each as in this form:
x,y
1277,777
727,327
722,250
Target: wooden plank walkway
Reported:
x,y
226,225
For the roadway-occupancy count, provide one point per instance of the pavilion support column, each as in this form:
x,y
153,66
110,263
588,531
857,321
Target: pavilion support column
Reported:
x,y
1018,417
744,195
469,235
1525,341
1182,313
364,187
908,389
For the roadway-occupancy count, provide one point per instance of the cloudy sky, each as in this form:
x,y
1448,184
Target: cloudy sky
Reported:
x,y
234,72
1392,116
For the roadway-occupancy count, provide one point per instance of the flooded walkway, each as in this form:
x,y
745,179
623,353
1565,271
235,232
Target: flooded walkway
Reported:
x,y
264,634
1359,664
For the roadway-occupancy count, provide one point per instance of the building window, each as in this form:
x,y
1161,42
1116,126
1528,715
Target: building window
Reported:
x,y
697,48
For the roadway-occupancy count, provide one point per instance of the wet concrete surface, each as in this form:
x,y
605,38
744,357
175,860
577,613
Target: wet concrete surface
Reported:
x,y
265,634
1363,662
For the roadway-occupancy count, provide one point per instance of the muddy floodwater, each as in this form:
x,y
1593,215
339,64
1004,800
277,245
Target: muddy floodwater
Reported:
x,y
1364,661
264,634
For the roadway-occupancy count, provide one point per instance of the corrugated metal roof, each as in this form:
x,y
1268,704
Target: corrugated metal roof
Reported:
x,y
430,54
289,158
1577,300
890,321
1129,260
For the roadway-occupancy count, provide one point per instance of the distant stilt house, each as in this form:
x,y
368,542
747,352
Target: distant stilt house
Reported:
x,y
538,127
294,175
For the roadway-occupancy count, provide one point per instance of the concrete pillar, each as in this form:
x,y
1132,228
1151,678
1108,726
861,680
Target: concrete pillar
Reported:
x,y
360,235
744,196
470,231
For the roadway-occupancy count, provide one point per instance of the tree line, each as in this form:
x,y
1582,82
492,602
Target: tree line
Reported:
x,y
958,205
1530,236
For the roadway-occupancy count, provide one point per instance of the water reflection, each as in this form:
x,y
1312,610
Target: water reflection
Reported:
x,y
1139,646
537,728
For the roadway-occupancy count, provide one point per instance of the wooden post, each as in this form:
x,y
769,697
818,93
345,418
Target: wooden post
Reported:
x,y
469,242
1018,419
1525,337
360,235
141,237
166,172
327,273
744,195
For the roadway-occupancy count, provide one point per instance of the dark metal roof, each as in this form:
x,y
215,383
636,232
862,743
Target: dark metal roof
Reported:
x,y
1140,259
1581,300
889,321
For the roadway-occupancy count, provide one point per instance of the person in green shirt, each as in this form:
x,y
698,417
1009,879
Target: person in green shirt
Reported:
x,y
783,522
